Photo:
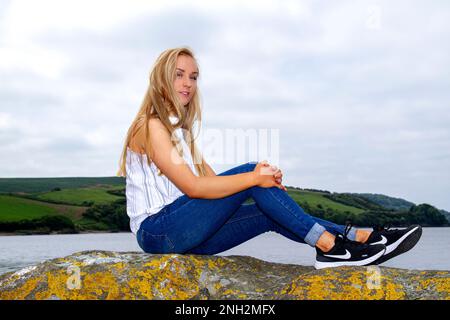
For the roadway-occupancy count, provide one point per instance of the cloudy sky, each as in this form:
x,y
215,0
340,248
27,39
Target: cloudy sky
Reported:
x,y
358,90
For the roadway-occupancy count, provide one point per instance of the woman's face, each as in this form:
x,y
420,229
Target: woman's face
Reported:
x,y
186,78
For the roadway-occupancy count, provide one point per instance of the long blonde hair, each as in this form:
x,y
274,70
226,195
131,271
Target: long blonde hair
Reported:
x,y
159,102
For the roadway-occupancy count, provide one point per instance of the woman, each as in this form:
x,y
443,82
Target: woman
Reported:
x,y
177,203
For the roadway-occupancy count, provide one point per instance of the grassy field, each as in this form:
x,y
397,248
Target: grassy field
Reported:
x,y
15,209
34,198
33,185
73,192
316,198
70,193
98,195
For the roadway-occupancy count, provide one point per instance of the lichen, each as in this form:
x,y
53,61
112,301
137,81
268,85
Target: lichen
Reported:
x,y
111,275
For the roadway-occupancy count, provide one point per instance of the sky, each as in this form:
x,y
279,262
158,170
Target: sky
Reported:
x,y
356,93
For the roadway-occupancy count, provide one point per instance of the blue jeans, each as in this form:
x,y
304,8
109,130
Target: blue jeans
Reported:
x,y
210,226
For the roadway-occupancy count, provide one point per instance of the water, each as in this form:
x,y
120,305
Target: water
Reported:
x,y
431,253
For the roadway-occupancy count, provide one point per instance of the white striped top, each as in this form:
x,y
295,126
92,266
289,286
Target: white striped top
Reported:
x,y
146,191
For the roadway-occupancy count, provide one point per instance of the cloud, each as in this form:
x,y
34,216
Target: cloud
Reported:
x,y
358,91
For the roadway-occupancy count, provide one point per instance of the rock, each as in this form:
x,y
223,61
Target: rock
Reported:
x,y
136,275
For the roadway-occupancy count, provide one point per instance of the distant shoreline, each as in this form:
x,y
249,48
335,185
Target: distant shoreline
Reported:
x,y
5,234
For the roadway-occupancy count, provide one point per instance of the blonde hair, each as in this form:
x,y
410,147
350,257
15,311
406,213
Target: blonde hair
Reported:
x,y
160,101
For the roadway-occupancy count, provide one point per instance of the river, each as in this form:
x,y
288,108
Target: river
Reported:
x,y
431,253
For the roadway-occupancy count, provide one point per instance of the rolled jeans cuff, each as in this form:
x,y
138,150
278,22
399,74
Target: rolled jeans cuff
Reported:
x,y
352,234
314,234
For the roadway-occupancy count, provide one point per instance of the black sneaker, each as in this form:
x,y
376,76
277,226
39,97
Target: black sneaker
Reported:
x,y
348,253
397,241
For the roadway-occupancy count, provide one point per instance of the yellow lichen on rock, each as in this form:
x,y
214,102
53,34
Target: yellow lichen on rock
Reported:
x,y
21,292
344,283
437,284
113,275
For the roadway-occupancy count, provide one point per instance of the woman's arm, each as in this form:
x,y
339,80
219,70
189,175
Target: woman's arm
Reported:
x,y
180,174
209,171
213,187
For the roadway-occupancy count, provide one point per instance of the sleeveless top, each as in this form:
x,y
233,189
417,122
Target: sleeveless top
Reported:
x,y
146,191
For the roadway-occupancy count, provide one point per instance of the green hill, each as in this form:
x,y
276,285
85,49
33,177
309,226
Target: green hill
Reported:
x,y
396,204
321,201
86,204
365,209
446,214
15,209
31,185
386,201
28,202
80,196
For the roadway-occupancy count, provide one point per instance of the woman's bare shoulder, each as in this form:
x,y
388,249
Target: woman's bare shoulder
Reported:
x,y
138,138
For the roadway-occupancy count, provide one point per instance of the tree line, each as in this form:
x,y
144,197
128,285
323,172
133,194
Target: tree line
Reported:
x,y
423,214
114,216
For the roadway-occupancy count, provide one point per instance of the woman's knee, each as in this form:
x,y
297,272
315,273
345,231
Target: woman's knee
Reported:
x,y
251,165
248,166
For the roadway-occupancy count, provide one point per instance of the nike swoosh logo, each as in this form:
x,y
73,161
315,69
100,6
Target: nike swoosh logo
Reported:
x,y
347,255
382,241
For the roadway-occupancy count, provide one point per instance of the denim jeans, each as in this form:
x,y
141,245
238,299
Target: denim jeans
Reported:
x,y
210,226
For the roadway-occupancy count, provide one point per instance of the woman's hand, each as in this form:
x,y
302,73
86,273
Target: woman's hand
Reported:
x,y
267,176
